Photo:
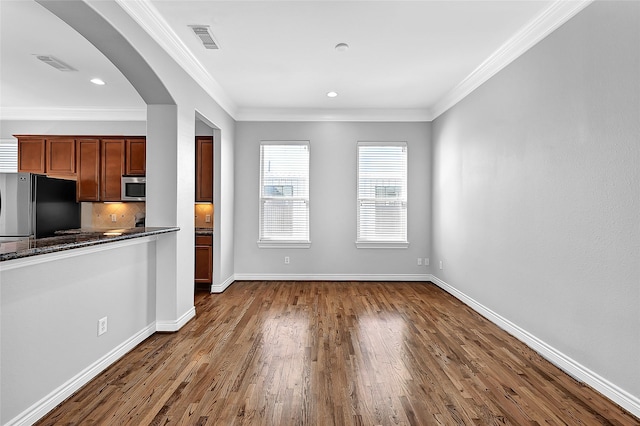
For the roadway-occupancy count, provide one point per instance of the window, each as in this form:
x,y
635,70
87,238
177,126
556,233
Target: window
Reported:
x,y
284,194
382,194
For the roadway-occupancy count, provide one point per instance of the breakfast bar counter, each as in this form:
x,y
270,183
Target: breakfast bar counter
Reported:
x,y
71,239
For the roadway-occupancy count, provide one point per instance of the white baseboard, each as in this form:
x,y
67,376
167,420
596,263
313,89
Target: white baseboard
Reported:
x,y
49,402
621,397
219,288
170,326
332,277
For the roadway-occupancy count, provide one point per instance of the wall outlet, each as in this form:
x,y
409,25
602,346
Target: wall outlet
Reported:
x,y
419,261
113,217
426,261
207,218
441,265
286,260
102,326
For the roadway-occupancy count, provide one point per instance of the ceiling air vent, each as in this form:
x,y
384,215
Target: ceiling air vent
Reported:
x,y
202,31
56,63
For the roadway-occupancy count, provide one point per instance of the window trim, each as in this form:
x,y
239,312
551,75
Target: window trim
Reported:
x,y
373,244
267,244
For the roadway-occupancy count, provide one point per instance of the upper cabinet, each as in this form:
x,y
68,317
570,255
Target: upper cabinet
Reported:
x,y
61,156
135,156
31,155
88,176
112,167
96,162
55,156
204,169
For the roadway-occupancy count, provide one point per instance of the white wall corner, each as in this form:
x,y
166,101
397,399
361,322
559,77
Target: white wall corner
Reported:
x,y
545,23
171,326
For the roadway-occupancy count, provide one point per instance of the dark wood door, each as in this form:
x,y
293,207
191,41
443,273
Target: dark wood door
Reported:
x,y
88,166
112,169
135,161
31,156
204,168
61,156
203,259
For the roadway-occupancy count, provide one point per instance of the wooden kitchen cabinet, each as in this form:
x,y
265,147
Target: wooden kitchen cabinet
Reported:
x,y
203,259
88,167
61,156
31,157
135,157
112,162
204,169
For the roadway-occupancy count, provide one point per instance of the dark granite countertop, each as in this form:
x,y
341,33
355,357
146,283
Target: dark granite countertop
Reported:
x,y
204,231
71,239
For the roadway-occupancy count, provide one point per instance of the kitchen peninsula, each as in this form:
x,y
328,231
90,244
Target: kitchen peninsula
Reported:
x,y
72,305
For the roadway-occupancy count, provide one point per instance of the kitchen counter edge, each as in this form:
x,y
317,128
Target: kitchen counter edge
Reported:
x,y
84,238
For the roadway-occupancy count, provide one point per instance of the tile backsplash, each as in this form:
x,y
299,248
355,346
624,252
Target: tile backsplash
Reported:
x,y
201,211
100,214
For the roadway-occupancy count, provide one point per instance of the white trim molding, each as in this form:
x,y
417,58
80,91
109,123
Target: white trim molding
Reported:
x,y
150,19
219,288
171,326
332,277
570,366
316,114
50,401
74,113
545,23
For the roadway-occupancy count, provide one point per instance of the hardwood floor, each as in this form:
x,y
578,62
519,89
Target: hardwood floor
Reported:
x,y
335,353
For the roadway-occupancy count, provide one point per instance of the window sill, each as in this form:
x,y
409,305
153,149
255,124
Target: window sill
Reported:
x,y
284,244
382,244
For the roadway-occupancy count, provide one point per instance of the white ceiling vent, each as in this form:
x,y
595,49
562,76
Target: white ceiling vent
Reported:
x,y
203,33
56,63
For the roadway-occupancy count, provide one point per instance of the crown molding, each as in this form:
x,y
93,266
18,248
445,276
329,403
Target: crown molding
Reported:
x,y
541,26
316,114
150,19
73,113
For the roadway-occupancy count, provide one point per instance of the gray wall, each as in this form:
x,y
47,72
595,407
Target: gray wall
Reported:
x,y
50,310
332,202
536,193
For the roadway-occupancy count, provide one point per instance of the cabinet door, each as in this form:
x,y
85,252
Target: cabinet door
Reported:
x,y
61,156
204,168
88,166
135,160
203,260
112,169
31,155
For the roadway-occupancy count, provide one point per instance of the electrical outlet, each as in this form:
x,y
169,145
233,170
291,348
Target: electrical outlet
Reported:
x,y
286,260
441,265
419,261
113,217
102,326
207,218
426,261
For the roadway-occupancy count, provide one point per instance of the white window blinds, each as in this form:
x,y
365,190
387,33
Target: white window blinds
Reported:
x,y
284,194
8,155
382,194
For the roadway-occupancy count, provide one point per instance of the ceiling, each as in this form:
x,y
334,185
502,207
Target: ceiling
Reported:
x,y
407,60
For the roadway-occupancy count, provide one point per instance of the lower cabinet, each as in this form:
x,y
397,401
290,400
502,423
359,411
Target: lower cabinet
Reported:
x,y
204,259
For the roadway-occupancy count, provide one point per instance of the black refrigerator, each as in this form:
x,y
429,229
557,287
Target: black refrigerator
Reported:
x,y
33,205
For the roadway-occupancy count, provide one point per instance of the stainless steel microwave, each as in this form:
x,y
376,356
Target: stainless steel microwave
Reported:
x,y
134,188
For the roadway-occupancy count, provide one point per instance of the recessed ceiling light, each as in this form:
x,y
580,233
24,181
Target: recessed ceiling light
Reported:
x,y
332,94
342,47
97,81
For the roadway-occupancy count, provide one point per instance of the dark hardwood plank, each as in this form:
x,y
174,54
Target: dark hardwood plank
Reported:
x,y
335,353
